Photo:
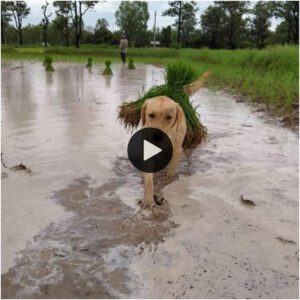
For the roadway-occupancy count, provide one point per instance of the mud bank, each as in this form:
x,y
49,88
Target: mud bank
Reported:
x,y
80,232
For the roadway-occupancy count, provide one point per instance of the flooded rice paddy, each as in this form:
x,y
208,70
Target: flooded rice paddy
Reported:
x,y
72,227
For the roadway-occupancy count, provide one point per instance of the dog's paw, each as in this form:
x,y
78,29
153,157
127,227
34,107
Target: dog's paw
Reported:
x,y
147,203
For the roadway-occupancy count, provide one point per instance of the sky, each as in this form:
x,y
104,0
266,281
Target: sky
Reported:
x,y
108,8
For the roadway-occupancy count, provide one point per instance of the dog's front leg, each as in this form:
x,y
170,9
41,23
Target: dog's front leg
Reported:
x,y
148,190
174,162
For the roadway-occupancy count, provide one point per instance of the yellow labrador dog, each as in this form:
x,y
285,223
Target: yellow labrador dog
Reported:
x,y
165,114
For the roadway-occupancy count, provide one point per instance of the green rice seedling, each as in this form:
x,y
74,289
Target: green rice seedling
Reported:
x,y
46,58
131,65
48,64
89,63
177,76
107,70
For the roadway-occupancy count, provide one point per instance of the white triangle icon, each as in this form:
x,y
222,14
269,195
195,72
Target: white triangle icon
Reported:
x,y
150,150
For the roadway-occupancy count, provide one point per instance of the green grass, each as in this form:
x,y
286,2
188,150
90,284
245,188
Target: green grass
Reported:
x,y
269,76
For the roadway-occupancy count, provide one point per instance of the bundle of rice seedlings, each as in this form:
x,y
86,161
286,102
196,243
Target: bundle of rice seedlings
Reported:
x,y
48,64
89,63
131,65
107,70
179,80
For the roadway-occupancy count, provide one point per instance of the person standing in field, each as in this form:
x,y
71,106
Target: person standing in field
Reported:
x,y
123,48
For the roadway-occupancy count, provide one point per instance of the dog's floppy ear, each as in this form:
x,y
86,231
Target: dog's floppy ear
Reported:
x,y
143,113
178,117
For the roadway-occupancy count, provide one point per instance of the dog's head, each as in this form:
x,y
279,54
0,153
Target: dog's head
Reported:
x,y
162,113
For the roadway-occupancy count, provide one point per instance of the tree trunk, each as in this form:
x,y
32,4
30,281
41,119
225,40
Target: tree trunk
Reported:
x,y
46,39
76,26
296,20
45,35
20,36
3,41
179,23
80,24
296,30
67,40
289,35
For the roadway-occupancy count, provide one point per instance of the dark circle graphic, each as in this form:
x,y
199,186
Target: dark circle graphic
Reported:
x,y
150,150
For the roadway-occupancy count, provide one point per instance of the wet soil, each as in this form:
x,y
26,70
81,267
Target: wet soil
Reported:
x,y
73,228
87,256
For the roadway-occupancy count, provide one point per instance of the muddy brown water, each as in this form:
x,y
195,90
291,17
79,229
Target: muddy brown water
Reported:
x,y
72,228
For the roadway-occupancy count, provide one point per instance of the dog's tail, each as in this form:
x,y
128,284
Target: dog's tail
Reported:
x,y
197,84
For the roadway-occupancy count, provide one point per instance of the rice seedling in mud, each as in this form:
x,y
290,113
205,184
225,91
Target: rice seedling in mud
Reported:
x,y
107,70
180,82
131,65
46,58
48,64
89,63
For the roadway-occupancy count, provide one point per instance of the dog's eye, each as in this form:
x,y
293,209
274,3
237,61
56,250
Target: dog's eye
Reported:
x,y
169,118
151,115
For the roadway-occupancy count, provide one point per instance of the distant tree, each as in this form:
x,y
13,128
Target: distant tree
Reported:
x,y
289,11
196,40
45,23
32,34
62,25
175,10
62,22
88,36
165,36
234,24
212,25
5,18
101,23
132,17
11,35
260,23
189,22
102,35
19,11
185,21
78,10
75,9
116,36
282,34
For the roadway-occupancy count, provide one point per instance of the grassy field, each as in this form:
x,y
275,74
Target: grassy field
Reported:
x,y
270,76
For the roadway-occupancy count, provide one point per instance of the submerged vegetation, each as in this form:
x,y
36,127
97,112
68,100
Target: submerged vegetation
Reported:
x,y
89,63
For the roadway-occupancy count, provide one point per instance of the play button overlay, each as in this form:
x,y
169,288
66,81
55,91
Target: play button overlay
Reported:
x,y
150,150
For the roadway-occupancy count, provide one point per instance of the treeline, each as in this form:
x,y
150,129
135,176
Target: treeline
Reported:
x,y
225,24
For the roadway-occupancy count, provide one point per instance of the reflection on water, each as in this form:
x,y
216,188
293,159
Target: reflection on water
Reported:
x,y
70,107
62,125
